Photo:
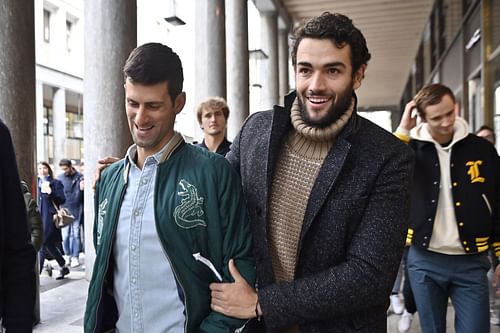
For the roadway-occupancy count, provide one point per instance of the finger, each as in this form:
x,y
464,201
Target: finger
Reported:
x,y
108,160
220,287
234,271
216,286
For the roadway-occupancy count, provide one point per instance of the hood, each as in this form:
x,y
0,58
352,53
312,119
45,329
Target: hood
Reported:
x,y
460,131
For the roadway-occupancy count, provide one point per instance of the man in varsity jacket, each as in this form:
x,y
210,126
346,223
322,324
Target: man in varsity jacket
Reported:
x,y
454,213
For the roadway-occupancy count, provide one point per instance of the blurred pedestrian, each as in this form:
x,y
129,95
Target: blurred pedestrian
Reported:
x,y
51,195
34,218
487,133
71,180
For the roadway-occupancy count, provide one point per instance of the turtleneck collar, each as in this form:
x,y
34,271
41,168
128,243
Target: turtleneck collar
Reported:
x,y
314,142
319,133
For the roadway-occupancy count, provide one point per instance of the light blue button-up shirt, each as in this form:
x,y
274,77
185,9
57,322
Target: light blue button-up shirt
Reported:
x,y
145,289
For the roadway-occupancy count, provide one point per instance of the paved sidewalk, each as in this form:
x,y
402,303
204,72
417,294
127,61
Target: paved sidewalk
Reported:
x,y
62,305
62,302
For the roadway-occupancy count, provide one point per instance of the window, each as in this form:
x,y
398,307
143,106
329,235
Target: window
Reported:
x,y
46,26
69,25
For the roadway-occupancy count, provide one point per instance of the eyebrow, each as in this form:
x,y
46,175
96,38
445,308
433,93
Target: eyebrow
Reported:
x,y
329,64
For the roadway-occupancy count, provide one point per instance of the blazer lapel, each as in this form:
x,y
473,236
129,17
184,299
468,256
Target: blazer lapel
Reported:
x,y
327,176
280,125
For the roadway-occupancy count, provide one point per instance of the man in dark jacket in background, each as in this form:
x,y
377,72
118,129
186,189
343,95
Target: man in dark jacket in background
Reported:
x,y
71,179
327,193
17,255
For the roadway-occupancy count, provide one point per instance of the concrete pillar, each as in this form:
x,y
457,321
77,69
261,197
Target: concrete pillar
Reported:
x,y
237,65
59,123
110,35
40,139
210,51
284,55
269,67
17,80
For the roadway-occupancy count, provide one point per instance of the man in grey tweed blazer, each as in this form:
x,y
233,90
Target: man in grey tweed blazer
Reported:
x,y
327,193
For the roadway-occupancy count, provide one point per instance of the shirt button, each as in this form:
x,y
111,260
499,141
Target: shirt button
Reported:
x,y
137,212
465,242
455,184
144,181
435,183
136,314
424,244
133,247
133,281
460,224
458,204
433,201
429,219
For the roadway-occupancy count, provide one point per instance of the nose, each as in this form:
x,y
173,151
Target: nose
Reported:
x,y
317,82
140,116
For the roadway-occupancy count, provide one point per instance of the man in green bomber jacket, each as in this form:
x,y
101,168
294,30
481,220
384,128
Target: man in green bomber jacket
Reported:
x,y
168,217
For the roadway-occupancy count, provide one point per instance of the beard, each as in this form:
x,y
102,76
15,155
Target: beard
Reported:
x,y
339,106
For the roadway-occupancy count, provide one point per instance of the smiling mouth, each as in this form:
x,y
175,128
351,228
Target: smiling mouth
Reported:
x,y
317,99
143,129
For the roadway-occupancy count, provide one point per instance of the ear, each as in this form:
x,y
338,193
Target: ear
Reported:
x,y
358,77
179,102
457,109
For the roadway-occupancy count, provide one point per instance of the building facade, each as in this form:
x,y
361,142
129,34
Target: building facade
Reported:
x,y
460,47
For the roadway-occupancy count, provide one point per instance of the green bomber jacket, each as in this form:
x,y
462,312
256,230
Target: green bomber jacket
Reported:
x,y
199,208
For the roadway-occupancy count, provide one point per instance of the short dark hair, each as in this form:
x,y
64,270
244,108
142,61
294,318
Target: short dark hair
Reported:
x,y
65,162
485,127
431,94
337,28
153,63
213,103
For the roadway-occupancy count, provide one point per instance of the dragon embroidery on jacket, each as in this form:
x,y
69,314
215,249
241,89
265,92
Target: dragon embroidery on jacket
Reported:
x,y
187,214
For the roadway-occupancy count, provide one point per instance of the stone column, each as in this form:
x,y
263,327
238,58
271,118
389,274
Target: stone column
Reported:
x,y
210,51
59,123
269,67
110,35
237,65
284,55
40,139
17,81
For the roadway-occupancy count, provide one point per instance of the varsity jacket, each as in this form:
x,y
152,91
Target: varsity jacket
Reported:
x,y
475,185
199,208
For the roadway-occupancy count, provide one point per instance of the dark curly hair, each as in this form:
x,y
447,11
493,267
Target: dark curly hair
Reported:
x,y
153,63
339,29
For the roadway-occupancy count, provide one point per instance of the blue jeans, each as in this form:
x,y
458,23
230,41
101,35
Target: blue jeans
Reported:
x,y
435,277
71,239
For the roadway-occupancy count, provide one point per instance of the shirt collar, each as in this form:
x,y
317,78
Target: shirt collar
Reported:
x,y
162,155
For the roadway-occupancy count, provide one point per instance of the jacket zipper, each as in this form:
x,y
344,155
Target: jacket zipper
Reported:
x,y
168,258
177,278
107,259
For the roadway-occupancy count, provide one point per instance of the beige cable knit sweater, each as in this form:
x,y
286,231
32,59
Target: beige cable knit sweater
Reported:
x,y
298,165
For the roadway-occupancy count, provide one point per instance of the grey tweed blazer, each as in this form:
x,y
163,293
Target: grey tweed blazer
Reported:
x,y
353,231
